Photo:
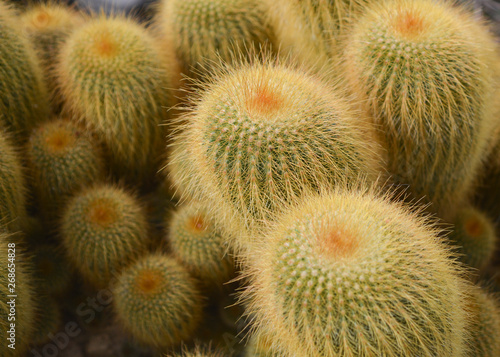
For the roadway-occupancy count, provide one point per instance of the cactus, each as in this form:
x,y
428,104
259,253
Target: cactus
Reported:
x,y
157,301
261,134
51,269
103,229
12,185
425,71
485,331
63,158
311,30
114,79
349,273
204,32
474,234
199,245
24,100
48,25
15,270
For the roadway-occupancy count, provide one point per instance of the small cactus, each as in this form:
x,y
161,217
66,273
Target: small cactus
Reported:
x,y
113,78
24,100
425,70
103,230
15,274
474,235
48,25
12,185
351,274
157,301
261,134
197,243
204,32
62,158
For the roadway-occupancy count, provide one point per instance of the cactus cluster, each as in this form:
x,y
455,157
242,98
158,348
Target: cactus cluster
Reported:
x,y
332,164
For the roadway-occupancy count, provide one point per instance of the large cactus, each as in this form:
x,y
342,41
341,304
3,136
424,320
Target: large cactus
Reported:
x,y
261,134
351,274
424,69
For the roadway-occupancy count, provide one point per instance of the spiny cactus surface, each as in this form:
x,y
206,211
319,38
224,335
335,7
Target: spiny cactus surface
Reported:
x,y
351,274
425,71
63,158
157,301
261,134
205,32
103,230
112,76
199,245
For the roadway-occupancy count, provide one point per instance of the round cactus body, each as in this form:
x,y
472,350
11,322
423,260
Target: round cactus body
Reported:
x,y
12,186
16,275
261,135
63,158
351,274
48,25
112,77
198,244
474,234
103,229
157,301
24,100
424,69
204,32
